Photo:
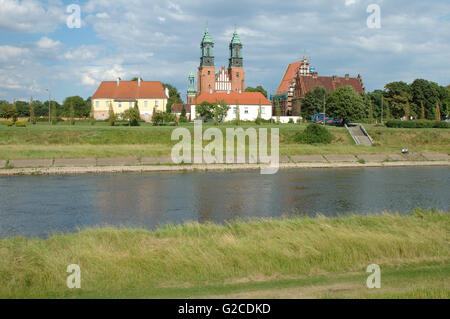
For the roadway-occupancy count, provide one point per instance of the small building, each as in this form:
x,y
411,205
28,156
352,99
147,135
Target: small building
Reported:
x,y
150,96
177,109
300,78
249,103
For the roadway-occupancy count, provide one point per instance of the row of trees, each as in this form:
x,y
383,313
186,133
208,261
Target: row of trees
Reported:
x,y
421,99
80,107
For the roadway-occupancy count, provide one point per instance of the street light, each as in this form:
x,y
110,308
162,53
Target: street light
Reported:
x,y
48,90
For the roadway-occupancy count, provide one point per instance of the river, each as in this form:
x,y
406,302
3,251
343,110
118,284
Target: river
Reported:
x,y
34,206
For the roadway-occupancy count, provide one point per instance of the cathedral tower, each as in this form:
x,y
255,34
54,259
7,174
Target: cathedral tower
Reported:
x,y
191,92
207,70
235,66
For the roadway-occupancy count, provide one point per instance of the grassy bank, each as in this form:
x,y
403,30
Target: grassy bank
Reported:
x,y
295,257
101,140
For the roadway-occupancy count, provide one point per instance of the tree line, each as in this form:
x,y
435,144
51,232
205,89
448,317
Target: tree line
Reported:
x,y
421,99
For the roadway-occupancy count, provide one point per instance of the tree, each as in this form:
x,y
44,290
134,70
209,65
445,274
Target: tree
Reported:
x,y
23,109
278,111
438,111
345,103
205,110
53,115
216,114
32,115
238,113
183,118
397,95
7,110
135,115
81,107
72,114
312,102
259,88
112,116
91,115
174,97
426,92
258,118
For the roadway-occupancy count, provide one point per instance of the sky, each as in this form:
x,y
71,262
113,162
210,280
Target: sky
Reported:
x,y
160,41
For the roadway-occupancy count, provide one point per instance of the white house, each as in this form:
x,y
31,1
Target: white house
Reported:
x,y
249,104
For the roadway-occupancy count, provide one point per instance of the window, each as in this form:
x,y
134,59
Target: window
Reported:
x,y
120,104
156,103
209,72
263,110
237,74
246,110
145,104
131,105
234,109
96,103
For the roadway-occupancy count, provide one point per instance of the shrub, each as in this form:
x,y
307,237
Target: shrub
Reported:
x,y
161,119
314,134
417,124
291,121
20,123
10,122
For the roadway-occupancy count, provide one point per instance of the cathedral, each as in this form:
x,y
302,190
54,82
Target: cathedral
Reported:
x,y
225,80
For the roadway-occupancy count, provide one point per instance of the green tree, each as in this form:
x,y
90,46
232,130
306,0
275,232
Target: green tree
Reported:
x,y
71,115
238,113
183,118
32,115
345,103
258,118
81,107
23,109
259,88
312,103
135,115
7,110
426,92
174,97
397,97
222,110
278,111
91,115
205,110
112,117
53,114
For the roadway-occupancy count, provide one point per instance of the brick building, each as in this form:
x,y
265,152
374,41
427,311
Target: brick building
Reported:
x,y
300,78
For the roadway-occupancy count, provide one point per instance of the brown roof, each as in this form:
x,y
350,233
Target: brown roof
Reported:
x,y
244,98
177,108
308,83
288,77
130,90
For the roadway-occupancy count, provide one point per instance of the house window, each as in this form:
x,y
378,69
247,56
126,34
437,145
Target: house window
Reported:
x,y
96,103
130,104
234,109
263,110
237,74
145,104
246,110
156,103
209,72
120,104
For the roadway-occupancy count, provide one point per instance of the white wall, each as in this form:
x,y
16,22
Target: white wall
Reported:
x,y
251,115
285,119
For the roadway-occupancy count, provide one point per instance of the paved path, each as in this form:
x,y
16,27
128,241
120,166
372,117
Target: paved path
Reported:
x,y
359,136
162,163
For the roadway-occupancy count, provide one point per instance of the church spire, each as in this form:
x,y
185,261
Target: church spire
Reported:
x,y
235,60
207,46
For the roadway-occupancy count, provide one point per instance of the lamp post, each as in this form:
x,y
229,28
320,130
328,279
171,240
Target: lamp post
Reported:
x,y
48,90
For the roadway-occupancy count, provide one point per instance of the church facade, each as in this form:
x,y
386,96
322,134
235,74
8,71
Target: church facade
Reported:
x,y
231,79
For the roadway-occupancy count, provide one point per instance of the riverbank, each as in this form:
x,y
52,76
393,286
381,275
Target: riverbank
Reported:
x,y
288,258
159,164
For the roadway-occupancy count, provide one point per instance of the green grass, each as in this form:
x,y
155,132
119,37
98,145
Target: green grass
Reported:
x,y
101,140
292,257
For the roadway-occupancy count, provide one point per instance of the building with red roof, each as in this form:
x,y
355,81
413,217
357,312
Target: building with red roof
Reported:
x,y
122,95
300,78
249,104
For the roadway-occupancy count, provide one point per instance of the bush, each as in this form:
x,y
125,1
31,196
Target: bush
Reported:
x,y
10,122
314,134
417,124
162,119
20,123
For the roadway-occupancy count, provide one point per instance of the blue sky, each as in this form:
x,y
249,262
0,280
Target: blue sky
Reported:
x,y
159,40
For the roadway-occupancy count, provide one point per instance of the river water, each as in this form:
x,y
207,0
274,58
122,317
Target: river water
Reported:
x,y
41,205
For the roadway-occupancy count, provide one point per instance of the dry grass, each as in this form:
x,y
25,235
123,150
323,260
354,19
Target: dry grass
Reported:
x,y
133,262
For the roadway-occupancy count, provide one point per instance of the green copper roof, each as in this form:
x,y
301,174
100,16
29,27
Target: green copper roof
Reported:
x,y
191,75
236,39
207,37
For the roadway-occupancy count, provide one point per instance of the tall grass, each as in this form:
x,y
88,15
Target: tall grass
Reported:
x,y
114,261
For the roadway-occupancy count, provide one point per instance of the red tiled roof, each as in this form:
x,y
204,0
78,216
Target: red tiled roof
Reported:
x,y
244,98
177,108
309,83
288,77
130,90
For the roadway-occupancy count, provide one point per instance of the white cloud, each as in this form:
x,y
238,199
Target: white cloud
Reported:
x,y
47,43
30,16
